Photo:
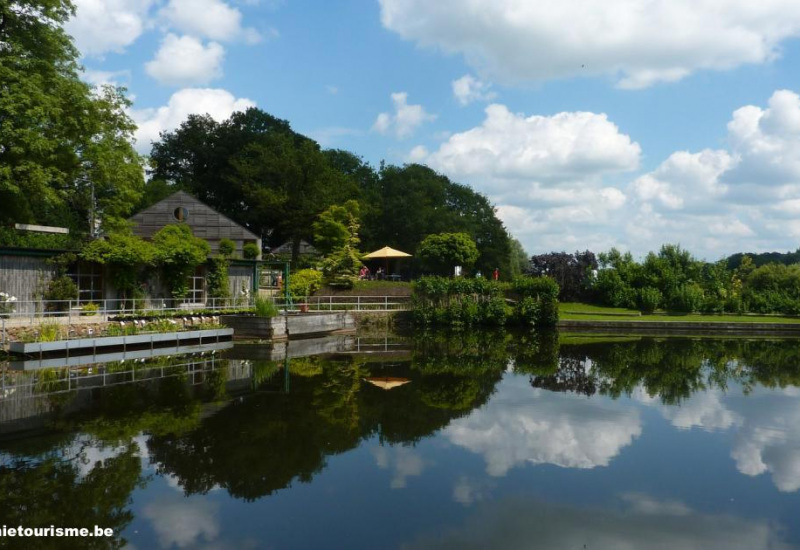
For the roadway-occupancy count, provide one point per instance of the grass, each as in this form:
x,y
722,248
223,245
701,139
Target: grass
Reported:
x,y
585,312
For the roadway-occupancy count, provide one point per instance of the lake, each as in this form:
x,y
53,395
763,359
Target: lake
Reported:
x,y
465,440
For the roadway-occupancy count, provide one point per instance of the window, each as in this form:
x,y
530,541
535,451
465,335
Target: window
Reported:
x,y
197,285
181,214
89,279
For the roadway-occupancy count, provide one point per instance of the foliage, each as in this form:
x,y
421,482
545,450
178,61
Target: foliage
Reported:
x,y
227,248
24,239
126,256
62,140
687,298
304,283
649,299
332,228
49,332
519,261
572,272
217,276
441,252
537,301
7,303
90,309
265,307
250,251
179,253
340,267
61,290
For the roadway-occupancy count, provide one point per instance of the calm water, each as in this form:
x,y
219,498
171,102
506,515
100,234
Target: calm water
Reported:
x,y
481,441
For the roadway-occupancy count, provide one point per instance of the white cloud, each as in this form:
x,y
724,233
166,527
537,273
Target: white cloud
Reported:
x,y
541,427
519,40
183,522
405,119
217,103
545,173
102,26
185,60
468,89
212,19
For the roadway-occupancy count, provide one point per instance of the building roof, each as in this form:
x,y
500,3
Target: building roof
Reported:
x,y
204,221
286,248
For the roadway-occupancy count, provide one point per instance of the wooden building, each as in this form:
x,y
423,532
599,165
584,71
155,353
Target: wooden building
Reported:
x,y
26,273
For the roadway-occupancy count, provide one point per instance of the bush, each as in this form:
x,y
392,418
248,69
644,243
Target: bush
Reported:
x,y
227,248
90,309
217,277
61,289
687,298
304,283
649,299
250,251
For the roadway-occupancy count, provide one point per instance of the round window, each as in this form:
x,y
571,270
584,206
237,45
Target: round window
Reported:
x,y
181,214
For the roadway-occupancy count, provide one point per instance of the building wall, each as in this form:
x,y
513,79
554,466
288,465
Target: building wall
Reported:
x,y
25,277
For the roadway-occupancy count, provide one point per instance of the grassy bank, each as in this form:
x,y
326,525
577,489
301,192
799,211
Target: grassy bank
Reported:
x,y
586,312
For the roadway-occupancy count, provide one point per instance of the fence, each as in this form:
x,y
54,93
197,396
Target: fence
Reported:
x,y
71,312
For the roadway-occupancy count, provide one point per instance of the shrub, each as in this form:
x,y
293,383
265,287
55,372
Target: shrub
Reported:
x,y
61,289
227,248
179,253
217,277
49,332
90,309
649,299
687,298
250,251
304,283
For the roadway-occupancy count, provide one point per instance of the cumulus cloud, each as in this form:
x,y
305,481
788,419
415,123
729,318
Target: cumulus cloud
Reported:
x,y
518,40
102,26
545,173
404,120
184,60
544,428
468,89
212,19
217,103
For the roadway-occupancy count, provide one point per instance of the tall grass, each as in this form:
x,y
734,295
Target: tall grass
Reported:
x,y
265,307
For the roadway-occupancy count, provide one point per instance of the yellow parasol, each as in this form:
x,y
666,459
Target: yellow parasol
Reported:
x,y
387,382
386,252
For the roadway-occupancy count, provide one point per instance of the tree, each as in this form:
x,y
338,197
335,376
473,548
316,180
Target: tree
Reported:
x,y
440,253
340,267
59,139
572,272
519,261
332,228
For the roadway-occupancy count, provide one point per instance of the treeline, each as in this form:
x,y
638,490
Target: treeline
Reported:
x,y
259,172
673,280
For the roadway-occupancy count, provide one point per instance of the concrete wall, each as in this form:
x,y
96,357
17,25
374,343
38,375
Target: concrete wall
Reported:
x,y
287,326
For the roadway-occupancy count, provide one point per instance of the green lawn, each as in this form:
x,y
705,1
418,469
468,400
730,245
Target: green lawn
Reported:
x,y
585,312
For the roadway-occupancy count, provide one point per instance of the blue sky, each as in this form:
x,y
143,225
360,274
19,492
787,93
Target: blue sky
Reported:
x,y
626,123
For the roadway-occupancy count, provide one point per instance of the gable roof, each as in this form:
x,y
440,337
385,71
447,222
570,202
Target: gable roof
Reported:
x,y
204,221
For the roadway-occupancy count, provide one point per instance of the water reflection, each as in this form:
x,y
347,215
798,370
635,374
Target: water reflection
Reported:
x,y
475,414
635,521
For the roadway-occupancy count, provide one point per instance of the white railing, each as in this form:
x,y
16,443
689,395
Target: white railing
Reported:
x,y
72,312
349,303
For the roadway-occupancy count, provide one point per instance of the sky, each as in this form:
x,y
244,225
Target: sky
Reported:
x,y
589,125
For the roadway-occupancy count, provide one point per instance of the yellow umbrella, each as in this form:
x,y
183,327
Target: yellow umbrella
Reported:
x,y
386,253
387,382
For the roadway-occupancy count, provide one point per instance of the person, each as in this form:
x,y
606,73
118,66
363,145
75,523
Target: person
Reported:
x,y
379,274
496,274
368,275
362,274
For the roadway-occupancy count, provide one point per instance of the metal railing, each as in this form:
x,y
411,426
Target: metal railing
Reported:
x,y
72,312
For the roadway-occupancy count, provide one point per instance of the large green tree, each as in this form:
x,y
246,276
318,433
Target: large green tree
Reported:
x,y
61,141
